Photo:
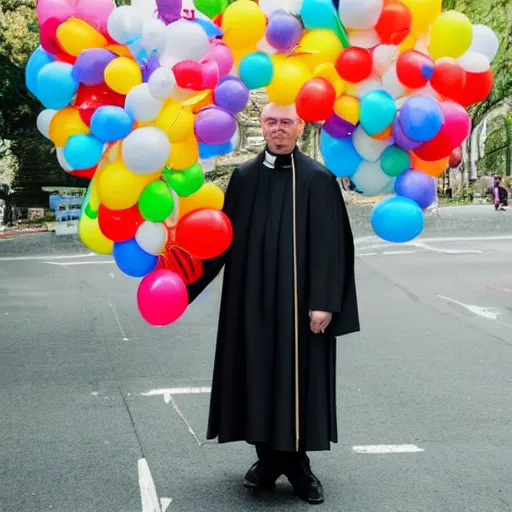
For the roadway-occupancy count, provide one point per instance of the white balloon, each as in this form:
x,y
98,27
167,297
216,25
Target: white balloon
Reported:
x,y
383,56
141,105
360,14
364,38
426,90
370,84
145,8
370,180
369,149
62,160
265,47
124,24
43,121
422,44
391,83
474,62
185,40
146,150
153,36
485,41
208,164
152,237
291,6
162,83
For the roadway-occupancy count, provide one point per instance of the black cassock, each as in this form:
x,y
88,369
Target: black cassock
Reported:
x,y
253,388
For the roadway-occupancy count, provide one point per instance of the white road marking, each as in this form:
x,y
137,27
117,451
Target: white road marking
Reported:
x,y
49,257
74,263
177,391
383,449
148,494
422,245
489,313
396,253
116,316
367,254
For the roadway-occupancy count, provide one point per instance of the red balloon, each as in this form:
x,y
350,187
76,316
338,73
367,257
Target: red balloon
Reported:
x,y
91,97
190,269
85,173
119,225
414,69
394,24
354,64
50,43
455,158
315,101
189,75
477,87
205,233
449,78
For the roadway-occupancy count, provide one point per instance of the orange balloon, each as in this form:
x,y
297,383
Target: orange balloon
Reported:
x,y
208,196
385,134
434,169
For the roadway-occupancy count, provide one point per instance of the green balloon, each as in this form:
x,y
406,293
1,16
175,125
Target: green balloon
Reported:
x,y
211,7
156,202
394,161
186,182
90,212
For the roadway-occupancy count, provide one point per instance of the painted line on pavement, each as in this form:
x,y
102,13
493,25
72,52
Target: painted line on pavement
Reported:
x,y
116,316
489,313
74,263
48,257
178,391
384,449
148,495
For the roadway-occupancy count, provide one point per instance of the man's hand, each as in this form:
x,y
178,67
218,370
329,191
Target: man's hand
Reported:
x,y
319,321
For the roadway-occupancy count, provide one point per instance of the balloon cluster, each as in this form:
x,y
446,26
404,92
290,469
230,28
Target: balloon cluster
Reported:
x,y
136,96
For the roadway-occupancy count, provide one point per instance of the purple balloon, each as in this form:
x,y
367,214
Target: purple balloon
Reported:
x,y
169,10
401,139
421,118
338,127
149,66
232,95
214,125
283,30
418,186
89,67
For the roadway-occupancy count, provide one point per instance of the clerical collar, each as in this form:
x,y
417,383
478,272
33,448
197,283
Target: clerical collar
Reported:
x,y
274,161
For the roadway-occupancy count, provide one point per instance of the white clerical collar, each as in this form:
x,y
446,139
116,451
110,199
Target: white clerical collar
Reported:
x,y
277,161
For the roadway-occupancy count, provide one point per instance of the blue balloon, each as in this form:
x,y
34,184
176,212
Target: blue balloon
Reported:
x,y
110,123
132,260
418,186
397,219
256,70
210,28
36,62
421,118
212,150
83,151
377,112
319,14
340,155
56,85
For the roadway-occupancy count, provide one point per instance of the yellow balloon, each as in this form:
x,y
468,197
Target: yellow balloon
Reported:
x,y
122,75
240,53
329,73
94,198
119,188
319,46
75,36
176,121
424,12
65,123
407,44
92,237
243,24
347,107
450,35
290,74
184,154
208,196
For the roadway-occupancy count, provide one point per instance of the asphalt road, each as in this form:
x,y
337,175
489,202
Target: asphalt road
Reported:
x,y
87,390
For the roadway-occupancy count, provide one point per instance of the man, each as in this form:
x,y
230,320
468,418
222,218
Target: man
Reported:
x,y
274,385
499,194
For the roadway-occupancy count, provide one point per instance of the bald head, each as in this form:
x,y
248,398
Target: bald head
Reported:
x,y
281,127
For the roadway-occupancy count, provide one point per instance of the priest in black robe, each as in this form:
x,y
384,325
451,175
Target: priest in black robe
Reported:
x,y
283,305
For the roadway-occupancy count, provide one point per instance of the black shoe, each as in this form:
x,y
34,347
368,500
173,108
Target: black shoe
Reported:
x,y
306,485
261,478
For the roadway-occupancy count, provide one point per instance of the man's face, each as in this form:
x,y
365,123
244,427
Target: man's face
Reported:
x,y
281,128
497,181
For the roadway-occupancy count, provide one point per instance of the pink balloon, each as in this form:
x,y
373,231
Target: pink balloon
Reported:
x,y
457,123
60,9
221,54
162,297
210,71
95,13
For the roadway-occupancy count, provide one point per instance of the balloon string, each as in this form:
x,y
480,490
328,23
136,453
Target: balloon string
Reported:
x,y
296,306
